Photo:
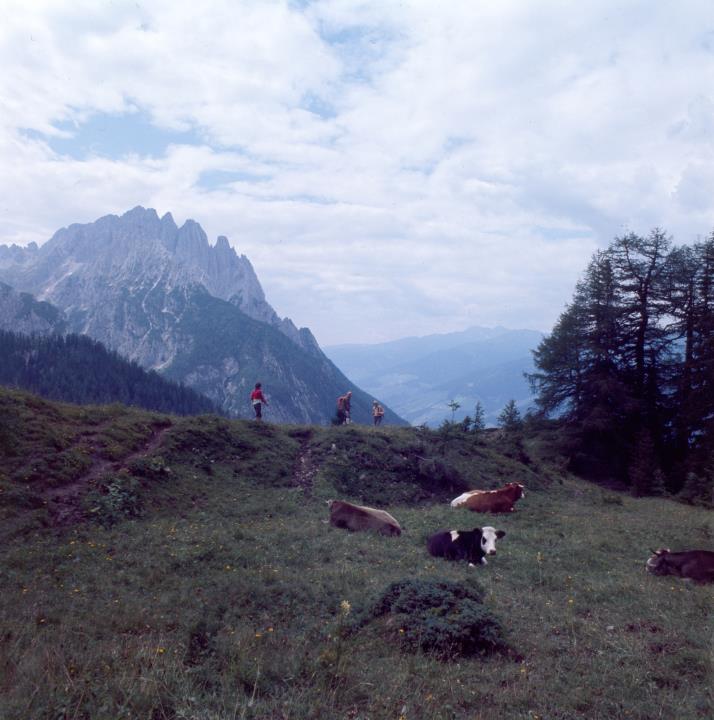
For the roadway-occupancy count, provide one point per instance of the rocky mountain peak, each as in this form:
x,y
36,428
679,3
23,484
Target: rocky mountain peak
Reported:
x,y
138,250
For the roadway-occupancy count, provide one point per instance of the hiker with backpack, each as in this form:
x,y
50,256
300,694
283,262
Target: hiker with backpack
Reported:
x,y
377,413
343,408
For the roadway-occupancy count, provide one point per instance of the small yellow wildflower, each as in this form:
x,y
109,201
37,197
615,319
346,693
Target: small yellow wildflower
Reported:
x,y
345,607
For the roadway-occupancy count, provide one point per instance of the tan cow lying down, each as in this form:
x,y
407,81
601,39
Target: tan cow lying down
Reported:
x,y
495,501
357,517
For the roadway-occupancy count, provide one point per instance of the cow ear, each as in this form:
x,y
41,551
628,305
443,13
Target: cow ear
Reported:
x,y
477,530
500,533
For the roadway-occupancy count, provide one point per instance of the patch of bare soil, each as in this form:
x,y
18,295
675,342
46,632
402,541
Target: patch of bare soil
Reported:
x,y
306,467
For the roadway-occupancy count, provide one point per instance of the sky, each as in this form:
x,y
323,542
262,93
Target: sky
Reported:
x,y
389,168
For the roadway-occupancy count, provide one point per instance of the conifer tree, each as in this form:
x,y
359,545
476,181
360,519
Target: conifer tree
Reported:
x,y
510,418
478,424
630,358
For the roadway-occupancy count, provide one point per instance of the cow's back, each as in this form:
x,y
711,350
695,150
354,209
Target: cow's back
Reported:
x,y
359,518
494,501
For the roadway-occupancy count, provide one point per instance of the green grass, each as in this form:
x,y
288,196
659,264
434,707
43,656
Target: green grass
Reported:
x,y
223,595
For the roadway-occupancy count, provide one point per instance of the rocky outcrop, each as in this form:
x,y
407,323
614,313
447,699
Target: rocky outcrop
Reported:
x,y
21,313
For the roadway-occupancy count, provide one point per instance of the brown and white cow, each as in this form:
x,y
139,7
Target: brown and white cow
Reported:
x,y
358,517
693,564
471,545
494,501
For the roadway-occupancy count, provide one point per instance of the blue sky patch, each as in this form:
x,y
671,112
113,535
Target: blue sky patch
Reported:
x,y
115,136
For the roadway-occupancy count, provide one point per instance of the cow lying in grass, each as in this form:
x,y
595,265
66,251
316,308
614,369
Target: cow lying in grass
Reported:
x,y
358,517
495,501
471,545
692,564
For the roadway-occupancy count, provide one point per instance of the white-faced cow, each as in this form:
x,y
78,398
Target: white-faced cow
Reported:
x,y
494,501
358,517
471,545
693,564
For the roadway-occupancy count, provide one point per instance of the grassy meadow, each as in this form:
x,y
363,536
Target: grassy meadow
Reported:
x,y
162,568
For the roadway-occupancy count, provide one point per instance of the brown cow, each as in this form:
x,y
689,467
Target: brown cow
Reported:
x,y
693,564
495,501
358,517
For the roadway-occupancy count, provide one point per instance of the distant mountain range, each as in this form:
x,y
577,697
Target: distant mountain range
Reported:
x,y
164,297
419,376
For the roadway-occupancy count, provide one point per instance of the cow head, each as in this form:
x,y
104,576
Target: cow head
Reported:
x,y
657,564
489,535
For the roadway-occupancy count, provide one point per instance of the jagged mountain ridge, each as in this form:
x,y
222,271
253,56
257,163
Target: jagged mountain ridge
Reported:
x,y
162,296
138,248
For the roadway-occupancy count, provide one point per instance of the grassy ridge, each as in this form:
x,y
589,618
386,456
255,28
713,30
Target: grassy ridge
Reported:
x,y
209,586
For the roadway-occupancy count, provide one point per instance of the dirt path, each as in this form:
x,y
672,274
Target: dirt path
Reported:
x,y
64,503
306,467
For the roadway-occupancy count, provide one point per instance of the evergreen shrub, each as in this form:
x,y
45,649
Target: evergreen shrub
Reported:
x,y
440,617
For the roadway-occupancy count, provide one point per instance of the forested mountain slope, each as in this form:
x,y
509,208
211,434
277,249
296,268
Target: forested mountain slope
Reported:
x,y
77,369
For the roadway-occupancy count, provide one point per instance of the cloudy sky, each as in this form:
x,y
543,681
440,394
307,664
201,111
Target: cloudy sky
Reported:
x,y
389,168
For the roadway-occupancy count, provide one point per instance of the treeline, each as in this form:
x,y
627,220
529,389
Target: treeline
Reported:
x,y
77,369
629,366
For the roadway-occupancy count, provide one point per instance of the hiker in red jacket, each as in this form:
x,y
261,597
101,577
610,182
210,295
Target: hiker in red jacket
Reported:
x,y
343,408
257,398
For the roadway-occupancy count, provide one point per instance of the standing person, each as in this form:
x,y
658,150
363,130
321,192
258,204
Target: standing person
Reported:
x,y
377,412
257,398
343,408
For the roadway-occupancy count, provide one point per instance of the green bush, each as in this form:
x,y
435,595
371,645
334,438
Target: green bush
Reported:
x,y
118,499
441,617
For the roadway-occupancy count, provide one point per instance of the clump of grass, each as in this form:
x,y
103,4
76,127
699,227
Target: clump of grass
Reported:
x,y
441,617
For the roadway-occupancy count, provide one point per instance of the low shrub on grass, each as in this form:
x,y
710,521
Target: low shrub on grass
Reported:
x,y
439,617
150,468
117,499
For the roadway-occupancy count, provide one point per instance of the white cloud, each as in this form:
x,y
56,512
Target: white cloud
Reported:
x,y
402,168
